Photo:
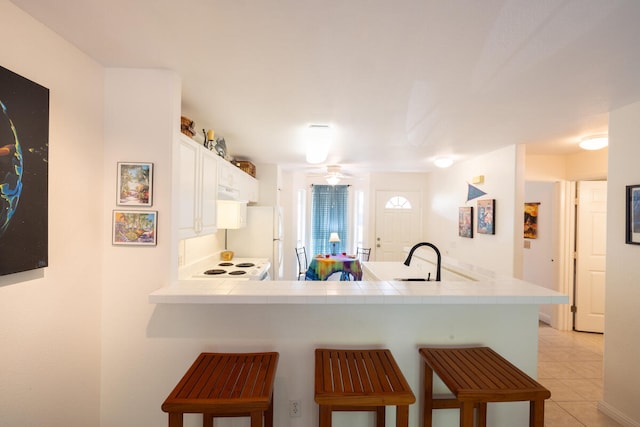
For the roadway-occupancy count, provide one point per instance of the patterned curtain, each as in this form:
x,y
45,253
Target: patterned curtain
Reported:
x,y
329,212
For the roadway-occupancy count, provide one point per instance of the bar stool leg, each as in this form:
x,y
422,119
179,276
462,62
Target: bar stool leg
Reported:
x,y
402,415
325,416
175,419
466,414
482,414
256,419
427,397
380,416
268,415
536,413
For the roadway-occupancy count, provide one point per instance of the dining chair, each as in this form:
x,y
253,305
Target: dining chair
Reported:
x,y
363,254
301,254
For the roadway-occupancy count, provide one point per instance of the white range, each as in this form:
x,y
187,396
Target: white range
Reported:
x,y
237,268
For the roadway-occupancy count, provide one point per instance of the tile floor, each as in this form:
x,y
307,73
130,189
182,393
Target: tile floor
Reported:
x,y
570,365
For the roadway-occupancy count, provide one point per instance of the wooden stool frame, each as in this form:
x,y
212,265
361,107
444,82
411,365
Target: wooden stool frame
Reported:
x,y
225,385
477,375
360,380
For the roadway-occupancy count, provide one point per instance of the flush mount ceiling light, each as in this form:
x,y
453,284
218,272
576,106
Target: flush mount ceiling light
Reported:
x,y
594,142
443,162
318,142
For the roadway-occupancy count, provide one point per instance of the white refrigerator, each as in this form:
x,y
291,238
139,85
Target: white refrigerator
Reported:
x,y
262,237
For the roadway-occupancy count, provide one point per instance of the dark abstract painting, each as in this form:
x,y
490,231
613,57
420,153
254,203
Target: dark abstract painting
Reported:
x,y
24,147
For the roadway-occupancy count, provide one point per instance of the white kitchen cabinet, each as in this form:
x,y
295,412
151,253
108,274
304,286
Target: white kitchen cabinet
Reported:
x,y
198,189
235,184
248,187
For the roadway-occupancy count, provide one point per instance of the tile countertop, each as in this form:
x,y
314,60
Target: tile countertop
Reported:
x,y
462,283
489,291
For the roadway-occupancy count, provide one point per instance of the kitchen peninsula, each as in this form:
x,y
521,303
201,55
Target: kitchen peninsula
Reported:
x,y
469,306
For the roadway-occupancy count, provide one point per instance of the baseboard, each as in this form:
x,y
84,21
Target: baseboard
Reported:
x,y
616,415
545,318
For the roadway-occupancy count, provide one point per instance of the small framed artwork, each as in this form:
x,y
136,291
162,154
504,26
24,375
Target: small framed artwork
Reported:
x,y
135,184
465,221
531,220
135,227
486,216
633,215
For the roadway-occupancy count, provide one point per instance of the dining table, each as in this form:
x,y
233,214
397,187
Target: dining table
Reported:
x,y
323,266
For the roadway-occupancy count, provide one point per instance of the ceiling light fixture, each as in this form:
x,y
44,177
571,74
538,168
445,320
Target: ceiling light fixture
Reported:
x,y
333,179
443,162
594,142
318,141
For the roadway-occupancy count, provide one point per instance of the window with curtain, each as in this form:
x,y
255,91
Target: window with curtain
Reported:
x,y
329,214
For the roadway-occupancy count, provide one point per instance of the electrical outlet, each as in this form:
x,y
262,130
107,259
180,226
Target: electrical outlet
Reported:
x,y
294,408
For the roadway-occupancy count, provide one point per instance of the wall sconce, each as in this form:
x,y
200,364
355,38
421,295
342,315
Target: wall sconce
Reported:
x,y
318,141
333,239
594,142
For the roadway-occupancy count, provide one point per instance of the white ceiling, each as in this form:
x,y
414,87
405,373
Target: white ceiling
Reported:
x,y
400,81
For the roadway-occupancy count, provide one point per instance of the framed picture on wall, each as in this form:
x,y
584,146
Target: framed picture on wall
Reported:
x,y
633,215
24,174
465,221
135,184
135,227
531,220
486,216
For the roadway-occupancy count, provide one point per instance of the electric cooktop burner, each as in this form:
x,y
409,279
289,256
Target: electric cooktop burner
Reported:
x,y
237,272
225,264
245,264
215,271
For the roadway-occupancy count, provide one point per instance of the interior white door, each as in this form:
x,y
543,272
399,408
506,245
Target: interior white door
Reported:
x,y
398,223
591,239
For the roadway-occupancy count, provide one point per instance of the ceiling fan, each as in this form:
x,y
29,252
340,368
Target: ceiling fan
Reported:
x,y
334,175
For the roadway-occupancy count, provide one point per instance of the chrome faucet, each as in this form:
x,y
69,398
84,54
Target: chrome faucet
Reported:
x,y
438,256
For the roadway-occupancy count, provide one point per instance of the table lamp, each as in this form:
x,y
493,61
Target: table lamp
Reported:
x,y
333,239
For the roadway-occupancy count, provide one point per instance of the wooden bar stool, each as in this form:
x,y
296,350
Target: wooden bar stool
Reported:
x,y
477,375
225,385
360,380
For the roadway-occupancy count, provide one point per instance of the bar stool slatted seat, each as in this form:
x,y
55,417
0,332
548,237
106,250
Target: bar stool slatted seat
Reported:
x,y
477,375
360,380
225,385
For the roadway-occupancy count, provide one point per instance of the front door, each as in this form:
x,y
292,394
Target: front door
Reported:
x,y
398,223
591,244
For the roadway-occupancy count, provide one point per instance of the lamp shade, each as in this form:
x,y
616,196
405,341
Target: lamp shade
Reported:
x,y
231,214
334,238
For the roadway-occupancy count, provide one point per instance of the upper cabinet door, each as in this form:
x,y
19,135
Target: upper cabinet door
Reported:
x,y
188,186
208,191
198,185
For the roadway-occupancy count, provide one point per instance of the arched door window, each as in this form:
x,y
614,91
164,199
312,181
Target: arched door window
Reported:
x,y
398,202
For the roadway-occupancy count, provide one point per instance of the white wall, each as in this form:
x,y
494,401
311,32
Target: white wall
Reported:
x,y
540,257
503,182
50,318
584,165
621,369
142,115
